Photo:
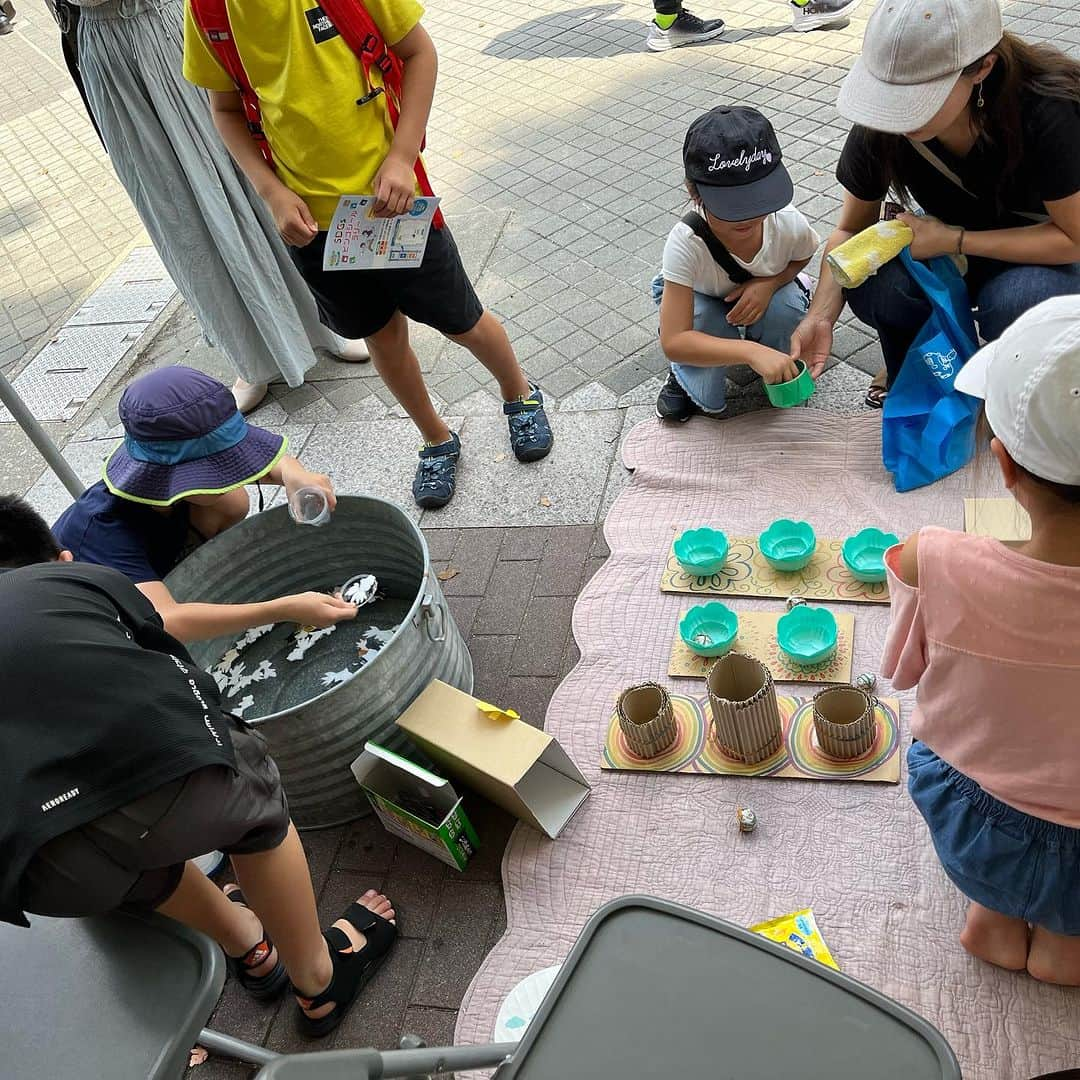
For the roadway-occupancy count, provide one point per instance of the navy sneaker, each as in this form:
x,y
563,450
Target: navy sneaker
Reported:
x,y
436,475
530,433
674,402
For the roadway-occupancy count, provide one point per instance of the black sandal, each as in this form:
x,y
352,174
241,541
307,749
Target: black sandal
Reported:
x,y
352,970
260,987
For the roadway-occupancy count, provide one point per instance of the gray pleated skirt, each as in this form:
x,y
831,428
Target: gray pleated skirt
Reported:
x,y
213,233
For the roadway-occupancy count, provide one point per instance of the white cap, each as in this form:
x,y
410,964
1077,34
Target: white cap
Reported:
x,y
1030,379
912,55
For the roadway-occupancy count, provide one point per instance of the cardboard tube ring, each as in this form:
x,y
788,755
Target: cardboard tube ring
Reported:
x,y
746,716
844,721
646,719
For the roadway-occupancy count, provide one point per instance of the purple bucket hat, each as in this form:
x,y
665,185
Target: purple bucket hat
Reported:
x,y
183,435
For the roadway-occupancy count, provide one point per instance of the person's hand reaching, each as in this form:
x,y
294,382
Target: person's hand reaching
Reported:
x,y
394,186
294,476
315,609
292,217
930,236
812,342
771,364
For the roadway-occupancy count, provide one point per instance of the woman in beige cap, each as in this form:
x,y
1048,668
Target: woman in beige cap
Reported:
x,y
979,129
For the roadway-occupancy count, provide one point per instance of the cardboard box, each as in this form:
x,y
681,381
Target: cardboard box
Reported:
x,y
416,805
523,770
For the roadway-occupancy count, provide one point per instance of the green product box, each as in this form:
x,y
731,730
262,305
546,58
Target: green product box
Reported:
x,y
416,805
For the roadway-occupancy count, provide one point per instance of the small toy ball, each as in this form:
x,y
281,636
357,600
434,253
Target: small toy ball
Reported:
x,y
866,681
746,818
793,602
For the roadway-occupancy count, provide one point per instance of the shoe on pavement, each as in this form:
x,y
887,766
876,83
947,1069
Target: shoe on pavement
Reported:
x,y
673,402
531,436
821,14
247,394
687,29
436,474
351,351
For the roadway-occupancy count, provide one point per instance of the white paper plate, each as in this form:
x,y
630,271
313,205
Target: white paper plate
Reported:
x,y
521,1004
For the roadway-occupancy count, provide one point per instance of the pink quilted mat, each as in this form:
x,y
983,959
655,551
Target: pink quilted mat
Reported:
x,y
858,854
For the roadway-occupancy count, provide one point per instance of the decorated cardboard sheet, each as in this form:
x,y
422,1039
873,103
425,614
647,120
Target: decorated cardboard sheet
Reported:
x,y
746,573
757,637
696,751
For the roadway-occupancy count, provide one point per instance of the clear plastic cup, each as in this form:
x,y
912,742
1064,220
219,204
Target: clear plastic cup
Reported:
x,y
309,506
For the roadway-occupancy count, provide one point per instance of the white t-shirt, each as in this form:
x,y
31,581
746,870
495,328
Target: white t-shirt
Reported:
x,y
785,237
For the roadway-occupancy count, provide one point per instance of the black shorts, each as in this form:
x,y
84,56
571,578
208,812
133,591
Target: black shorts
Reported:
x,y
135,855
358,303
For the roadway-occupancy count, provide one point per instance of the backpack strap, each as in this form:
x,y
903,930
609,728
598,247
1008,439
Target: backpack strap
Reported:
x,y
931,158
212,18
738,274
362,35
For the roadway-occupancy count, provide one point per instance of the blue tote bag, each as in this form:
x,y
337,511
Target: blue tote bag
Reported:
x,y
928,426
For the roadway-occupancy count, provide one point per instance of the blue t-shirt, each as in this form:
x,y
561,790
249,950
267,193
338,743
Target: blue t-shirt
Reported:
x,y
141,542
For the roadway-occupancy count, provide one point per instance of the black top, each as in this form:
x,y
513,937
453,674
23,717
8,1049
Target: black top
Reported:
x,y
100,707
143,543
1049,170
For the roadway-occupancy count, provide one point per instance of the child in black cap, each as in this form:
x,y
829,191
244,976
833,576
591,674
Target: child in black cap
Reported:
x,y
730,290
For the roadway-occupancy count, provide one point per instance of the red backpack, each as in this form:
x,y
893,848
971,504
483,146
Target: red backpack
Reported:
x,y
351,19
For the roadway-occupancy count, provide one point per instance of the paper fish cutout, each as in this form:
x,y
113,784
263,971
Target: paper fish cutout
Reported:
x,y
361,590
305,639
242,706
253,634
334,678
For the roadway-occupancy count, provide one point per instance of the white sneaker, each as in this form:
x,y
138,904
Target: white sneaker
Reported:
x,y
687,29
351,351
821,14
248,395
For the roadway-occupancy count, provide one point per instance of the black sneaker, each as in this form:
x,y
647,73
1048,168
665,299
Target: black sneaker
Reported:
x,y
530,432
673,402
436,475
687,29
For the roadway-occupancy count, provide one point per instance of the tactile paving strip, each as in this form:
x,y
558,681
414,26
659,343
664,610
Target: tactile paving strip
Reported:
x,y
136,291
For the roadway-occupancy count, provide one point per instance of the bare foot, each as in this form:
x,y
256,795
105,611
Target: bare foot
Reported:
x,y
1054,958
996,938
269,962
373,901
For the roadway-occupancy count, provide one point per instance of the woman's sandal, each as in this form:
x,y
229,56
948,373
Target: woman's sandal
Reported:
x,y
352,970
261,987
875,397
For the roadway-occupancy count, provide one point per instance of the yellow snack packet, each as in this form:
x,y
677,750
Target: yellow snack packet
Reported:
x,y
798,931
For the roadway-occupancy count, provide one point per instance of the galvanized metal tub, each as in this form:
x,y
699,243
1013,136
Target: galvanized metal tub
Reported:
x,y
269,555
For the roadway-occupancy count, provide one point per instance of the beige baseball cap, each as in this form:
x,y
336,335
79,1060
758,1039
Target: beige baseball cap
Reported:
x,y
912,56
1030,381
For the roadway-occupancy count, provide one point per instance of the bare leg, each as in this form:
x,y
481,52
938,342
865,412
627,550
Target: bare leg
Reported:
x,y
1054,958
398,367
487,341
996,938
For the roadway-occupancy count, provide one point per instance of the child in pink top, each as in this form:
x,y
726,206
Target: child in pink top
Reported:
x,y
990,635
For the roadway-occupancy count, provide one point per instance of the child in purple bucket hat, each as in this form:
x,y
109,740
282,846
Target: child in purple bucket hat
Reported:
x,y
177,480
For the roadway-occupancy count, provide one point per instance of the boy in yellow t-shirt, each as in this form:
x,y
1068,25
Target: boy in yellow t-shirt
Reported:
x,y
330,136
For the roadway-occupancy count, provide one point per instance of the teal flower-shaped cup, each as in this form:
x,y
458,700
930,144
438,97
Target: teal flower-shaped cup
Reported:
x,y
787,545
784,395
709,629
702,552
864,554
807,635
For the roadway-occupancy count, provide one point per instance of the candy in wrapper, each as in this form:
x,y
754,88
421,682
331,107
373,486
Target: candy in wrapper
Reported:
x,y
798,931
746,818
866,681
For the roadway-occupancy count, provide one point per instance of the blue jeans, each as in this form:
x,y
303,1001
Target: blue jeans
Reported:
x,y
707,386
896,308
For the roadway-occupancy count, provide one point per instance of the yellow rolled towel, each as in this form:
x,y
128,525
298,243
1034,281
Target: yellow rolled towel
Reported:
x,y
867,252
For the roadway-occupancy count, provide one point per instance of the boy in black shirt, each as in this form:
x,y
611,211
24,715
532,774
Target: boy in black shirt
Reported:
x,y
118,766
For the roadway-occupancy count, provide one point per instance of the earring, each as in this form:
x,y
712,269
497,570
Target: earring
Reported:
x,y
980,101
